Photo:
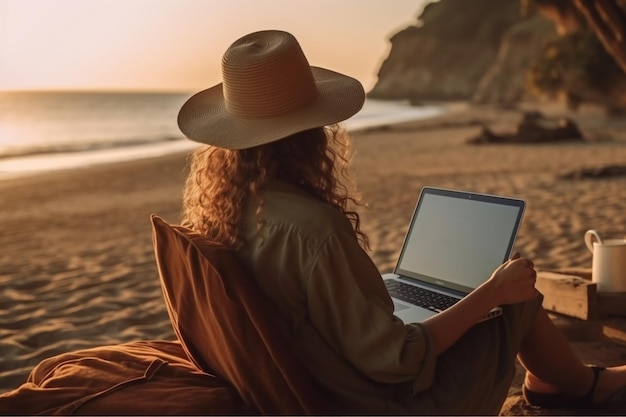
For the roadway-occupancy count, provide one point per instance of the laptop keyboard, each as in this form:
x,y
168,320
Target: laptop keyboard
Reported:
x,y
422,297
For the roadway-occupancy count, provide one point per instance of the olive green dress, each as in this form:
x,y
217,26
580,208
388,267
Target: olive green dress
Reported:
x,y
307,260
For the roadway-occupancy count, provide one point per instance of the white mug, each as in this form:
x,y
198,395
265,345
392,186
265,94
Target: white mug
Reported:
x,y
608,269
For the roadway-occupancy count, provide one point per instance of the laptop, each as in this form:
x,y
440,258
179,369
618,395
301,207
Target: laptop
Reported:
x,y
455,241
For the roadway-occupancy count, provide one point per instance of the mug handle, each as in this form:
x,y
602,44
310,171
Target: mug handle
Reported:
x,y
589,237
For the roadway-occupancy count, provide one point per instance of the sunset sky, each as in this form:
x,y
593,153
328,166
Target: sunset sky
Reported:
x,y
177,45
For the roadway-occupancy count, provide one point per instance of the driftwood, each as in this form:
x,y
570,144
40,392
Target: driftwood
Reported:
x,y
601,172
533,128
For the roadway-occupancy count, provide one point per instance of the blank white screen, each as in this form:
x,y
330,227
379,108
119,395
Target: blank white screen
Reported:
x,y
458,240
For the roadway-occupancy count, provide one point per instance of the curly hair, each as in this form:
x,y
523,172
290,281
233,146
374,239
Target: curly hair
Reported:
x,y
220,180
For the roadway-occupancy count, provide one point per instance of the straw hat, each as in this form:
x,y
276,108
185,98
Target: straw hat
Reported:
x,y
268,92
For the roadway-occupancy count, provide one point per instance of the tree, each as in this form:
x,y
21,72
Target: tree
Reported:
x,y
607,19
587,62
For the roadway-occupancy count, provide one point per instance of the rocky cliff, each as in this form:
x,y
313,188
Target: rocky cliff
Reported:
x,y
462,50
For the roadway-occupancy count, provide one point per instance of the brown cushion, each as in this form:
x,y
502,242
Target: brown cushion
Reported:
x,y
227,326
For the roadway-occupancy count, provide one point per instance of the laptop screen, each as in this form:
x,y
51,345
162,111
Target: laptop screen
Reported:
x,y
457,239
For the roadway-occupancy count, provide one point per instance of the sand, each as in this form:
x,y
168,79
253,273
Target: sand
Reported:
x,y
76,261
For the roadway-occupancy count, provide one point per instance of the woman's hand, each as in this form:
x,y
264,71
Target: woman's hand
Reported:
x,y
514,281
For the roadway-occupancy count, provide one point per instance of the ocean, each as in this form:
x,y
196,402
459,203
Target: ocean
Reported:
x,y
43,131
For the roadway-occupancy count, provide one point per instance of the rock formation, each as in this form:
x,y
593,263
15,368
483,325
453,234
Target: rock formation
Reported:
x,y
482,51
455,52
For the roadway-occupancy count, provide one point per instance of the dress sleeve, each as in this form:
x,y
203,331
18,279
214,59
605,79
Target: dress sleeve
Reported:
x,y
350,306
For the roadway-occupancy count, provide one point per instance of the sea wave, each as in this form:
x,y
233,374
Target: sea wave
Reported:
x,y
68,148
34,164
18,158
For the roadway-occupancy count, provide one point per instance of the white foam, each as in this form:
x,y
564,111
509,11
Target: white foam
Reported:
x,y
381,113
374,113
26,165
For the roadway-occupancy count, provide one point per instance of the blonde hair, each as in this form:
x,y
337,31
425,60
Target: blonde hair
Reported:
x,y
220,180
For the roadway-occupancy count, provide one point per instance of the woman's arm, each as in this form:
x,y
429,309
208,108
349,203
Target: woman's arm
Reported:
x,y
512,282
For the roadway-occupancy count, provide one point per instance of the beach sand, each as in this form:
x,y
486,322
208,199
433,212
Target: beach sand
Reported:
x,y
76,261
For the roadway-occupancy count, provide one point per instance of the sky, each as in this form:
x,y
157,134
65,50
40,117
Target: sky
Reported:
x,y
177,45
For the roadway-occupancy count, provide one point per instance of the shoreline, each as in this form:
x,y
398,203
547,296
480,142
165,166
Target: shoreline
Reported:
x,y
35,161
77,266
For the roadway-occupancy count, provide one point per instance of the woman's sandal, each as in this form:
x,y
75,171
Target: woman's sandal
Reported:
x,y
559,400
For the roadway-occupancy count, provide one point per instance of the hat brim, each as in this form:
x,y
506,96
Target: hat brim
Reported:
x,y
204,117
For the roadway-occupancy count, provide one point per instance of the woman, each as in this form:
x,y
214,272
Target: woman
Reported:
x,y
273,185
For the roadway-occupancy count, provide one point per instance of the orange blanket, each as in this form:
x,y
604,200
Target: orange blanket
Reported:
x,y
137,378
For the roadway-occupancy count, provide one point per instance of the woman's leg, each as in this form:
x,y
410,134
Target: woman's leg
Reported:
x,y
553,366
474,375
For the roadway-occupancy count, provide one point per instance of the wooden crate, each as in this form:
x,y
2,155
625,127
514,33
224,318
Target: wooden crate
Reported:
x,y
573,294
